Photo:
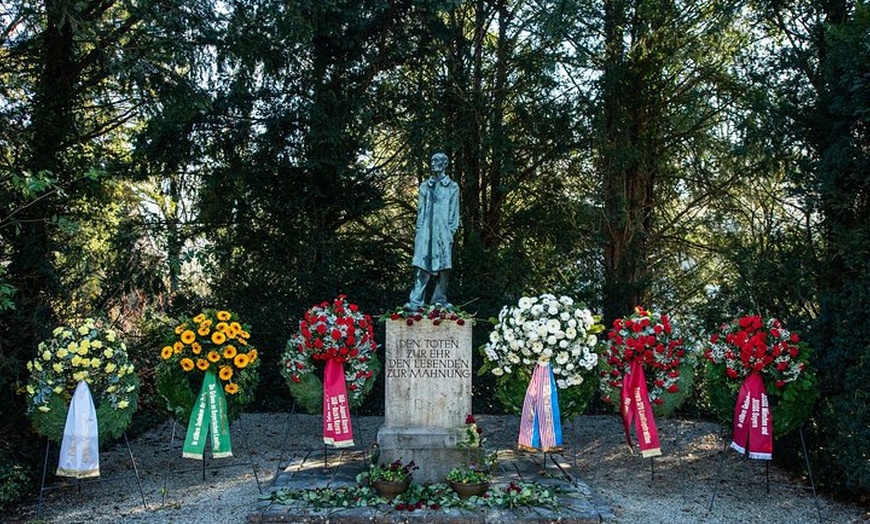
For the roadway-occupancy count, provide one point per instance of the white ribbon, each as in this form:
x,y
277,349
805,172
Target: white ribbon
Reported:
x,y
80,447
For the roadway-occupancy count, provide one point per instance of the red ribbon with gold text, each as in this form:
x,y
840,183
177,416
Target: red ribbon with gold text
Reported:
x,y
337,429
636,407
753,422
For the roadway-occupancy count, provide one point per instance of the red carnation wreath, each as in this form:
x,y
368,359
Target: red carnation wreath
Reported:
x,y
644,365
668,364
753,344
336,331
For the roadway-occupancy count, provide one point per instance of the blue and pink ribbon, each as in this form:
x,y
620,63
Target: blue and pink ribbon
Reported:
x,y
540,425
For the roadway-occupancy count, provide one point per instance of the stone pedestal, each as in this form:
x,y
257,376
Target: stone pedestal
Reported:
x,y
428,394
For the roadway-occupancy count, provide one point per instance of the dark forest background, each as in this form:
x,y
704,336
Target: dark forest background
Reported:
x,y
707,158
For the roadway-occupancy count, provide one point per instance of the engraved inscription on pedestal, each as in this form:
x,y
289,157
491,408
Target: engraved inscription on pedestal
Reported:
x,y
427,374
427,396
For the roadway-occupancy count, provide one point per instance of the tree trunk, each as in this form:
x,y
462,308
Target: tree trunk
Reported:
x,y
627,155
52,128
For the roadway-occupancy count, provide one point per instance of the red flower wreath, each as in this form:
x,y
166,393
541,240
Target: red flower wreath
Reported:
x,y
650,336
753,343
331,330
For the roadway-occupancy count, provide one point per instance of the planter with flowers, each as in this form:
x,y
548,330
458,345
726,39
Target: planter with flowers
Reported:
x,y
546,343
389,480
86,351
208,369
470,480
758,370
335,340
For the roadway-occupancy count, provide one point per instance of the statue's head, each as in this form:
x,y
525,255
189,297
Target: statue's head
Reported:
x,y
439,162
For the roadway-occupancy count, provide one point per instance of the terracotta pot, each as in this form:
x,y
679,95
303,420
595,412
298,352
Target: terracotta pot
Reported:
x,y
467,490
389,489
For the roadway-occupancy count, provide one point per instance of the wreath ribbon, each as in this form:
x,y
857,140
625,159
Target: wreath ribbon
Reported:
x,y
80,447
209,416
753,420
337,429
635,407
540,423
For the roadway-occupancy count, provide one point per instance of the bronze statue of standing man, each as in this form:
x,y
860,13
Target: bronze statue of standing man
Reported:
x,y
437,222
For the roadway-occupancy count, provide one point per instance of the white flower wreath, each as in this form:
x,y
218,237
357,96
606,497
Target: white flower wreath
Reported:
x,y
545,329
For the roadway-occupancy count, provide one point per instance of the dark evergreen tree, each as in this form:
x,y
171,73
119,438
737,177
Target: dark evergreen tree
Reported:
x,y
838,128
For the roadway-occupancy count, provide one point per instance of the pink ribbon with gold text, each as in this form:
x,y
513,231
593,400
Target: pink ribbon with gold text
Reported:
x,y
636,407
753,422
337,429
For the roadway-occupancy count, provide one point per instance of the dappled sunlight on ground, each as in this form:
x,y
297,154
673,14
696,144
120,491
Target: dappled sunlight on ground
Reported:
x,y
697,479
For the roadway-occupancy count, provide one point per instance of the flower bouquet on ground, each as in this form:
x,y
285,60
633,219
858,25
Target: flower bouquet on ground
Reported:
x,y
341,338
758,370
472,478
544,329
87,351
542,351
208,369
473,434
645,370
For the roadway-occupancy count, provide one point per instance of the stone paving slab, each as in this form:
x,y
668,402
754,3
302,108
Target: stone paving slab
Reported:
x,y
577,501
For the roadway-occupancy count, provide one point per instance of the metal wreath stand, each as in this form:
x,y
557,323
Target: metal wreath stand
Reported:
x,y
812,486
171,459
79,482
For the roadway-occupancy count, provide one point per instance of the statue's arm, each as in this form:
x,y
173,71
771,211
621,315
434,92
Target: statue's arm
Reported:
x,y
453,209
421,201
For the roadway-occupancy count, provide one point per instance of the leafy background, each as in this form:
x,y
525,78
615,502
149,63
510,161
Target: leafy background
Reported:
x,y
705,159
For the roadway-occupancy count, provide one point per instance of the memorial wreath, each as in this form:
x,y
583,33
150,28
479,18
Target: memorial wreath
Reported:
x,y
544,329
335,331
752,344
668,365
212,342
86,351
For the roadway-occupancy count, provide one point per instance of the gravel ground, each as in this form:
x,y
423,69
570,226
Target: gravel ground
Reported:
x,y
696,480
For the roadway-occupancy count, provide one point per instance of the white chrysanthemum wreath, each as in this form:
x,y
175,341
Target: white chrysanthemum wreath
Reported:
x,y
546,328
